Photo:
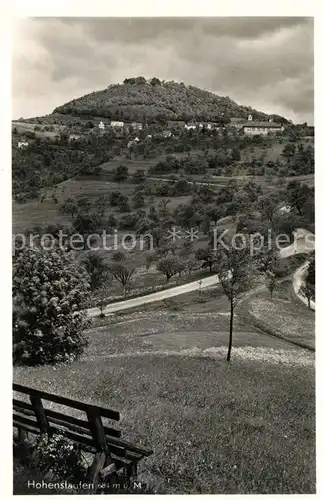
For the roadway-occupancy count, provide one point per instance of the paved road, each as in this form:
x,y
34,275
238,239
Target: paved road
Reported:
x,y
303,243
156,296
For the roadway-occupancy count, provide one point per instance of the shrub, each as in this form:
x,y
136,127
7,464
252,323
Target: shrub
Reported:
x,y
50,294
60,456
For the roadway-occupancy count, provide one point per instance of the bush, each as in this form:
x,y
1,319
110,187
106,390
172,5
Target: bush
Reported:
x,y
59,456
50,294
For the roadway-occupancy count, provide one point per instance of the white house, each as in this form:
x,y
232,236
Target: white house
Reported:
x,y
22,144
190,126
101,126
252,127
116,124
136,139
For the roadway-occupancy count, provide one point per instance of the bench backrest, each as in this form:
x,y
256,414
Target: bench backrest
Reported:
x,y
34,417
90,433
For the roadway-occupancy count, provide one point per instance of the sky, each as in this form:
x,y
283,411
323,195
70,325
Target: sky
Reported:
x,y
263,62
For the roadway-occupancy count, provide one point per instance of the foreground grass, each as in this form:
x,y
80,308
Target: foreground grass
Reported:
x,y
244,427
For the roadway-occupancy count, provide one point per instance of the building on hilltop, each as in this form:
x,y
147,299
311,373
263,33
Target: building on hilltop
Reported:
x,y
251,127
22,144
117,124
101,125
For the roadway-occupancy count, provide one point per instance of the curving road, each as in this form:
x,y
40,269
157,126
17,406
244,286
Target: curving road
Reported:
x,y
304,242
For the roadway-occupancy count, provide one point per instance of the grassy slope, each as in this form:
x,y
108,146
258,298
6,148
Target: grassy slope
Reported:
x,y
247,427
285,314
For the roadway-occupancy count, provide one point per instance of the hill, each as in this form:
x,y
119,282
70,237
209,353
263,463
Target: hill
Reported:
x,y
138,99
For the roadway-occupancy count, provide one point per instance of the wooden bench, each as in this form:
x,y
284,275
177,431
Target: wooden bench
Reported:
x,y
112,453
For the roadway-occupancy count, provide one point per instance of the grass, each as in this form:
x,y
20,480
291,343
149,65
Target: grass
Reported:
x,y
244,427
285,314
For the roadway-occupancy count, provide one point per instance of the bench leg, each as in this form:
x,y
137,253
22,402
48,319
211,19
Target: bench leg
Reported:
x,y
95,468
131,471
22,435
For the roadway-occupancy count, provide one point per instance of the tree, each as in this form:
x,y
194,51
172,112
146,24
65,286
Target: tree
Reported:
x,y
121,173
308,291
85,223
123,274
96,268
139,199
149,259
139,176
236,277
207,256
50,293
102,204
271,283
118,256
69,207
268,204
169,266
190,265
297,195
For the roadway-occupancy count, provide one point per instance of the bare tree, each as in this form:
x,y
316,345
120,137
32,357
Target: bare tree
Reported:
x,y
123,274
271,282
236,272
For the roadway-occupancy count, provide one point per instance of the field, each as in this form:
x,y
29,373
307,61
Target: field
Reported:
x,y
23,127
215,427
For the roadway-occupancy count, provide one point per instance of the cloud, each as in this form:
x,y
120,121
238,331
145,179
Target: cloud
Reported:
x,y
263,62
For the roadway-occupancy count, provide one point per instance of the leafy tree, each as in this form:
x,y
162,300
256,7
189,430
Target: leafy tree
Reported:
x,y
50,293
236,155
112,221
118,256
190,265
123,274
69,207
207,256
139,199
139,176
117,197
121,173
96,268
236,271
298,195
102,204
169,266
311,270
85,223
267,204
308,291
